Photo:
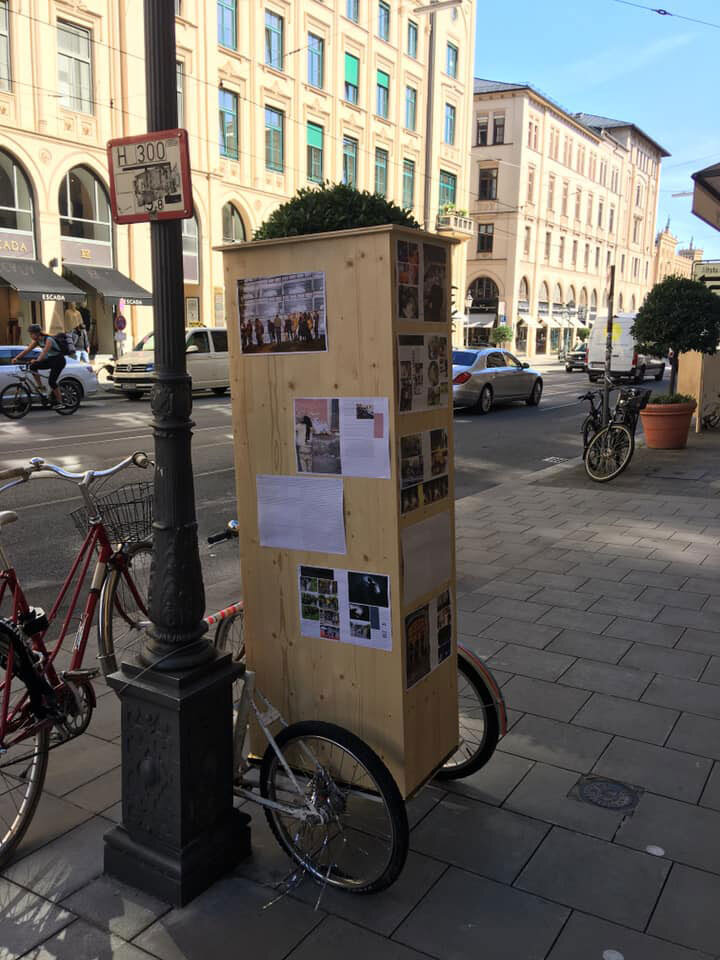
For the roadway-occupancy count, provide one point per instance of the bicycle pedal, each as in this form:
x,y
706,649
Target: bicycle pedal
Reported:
x,y
85,673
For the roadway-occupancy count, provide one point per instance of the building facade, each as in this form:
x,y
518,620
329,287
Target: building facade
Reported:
x,y
669,261
556,199
275,95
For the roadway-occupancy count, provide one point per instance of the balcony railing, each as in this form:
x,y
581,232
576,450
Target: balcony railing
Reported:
x,y
454,224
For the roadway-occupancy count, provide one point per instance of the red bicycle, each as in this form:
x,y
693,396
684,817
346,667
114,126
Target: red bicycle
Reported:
x,y
43,705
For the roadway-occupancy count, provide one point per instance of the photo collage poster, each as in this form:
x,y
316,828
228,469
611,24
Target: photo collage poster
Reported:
x,y
345,606
348,436
423,372
423,469
286,313
428,638
422,279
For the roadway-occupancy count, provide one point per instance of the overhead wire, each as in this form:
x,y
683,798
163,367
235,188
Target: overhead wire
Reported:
x,y
667,13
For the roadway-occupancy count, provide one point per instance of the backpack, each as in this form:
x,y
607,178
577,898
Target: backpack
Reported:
x,y
64,343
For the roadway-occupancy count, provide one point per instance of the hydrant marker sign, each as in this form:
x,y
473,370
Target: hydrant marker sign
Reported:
x,y
150,177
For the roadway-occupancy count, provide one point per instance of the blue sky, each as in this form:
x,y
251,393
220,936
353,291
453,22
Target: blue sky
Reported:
x,y
603,57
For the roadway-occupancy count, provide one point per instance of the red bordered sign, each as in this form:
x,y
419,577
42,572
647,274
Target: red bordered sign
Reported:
x,y
150,177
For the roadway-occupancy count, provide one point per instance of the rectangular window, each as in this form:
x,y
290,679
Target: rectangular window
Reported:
x,y
408,197
227,23
410,108
180,90
611,219
600,213
530,133
315,152
636,266
531,184
578,202
587,255
548,244
274,136
75,67
228,106
383,94
451,60
384,20
481,132
574,252
350,147
352,10
448,189
316,60
622,265
381,171
352,71
412,39
485,237
488,184
565,193
4,46
177,8
607,259
526,243
551,192
499,129
561,252
274,28
636,229
449,124
597,257
589,209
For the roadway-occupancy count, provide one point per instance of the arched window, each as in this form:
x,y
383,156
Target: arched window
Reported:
x,y
543,300
84,207
582,308
190,248
605,298
485,295
571,300
16,207
523,304
233,228
632,304
593,305
620,303
557,305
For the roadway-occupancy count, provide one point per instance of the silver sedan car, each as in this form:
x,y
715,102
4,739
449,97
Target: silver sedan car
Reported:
x,y
485,376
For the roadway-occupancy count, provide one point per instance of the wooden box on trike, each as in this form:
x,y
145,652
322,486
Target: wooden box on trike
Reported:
x,y
341,374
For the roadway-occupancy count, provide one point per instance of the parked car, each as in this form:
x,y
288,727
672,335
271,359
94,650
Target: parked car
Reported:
x,y
207,363
486,376
626,362
576,359
81,374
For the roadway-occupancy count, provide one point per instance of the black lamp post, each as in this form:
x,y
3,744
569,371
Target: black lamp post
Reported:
x,y
180,830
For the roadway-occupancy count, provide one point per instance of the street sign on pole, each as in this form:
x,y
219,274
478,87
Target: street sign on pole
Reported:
x,y
708,272
150,177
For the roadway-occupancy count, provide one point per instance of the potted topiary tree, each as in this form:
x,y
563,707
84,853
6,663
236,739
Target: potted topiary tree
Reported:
x,y
582,334
500,335
679,315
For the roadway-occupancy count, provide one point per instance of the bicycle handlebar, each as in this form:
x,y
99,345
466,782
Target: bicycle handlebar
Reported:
x,y
38,465
227,534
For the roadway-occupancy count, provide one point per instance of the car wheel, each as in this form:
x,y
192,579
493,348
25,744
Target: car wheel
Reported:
x,y
568,369
133,394
484,402
660,374
76,384
534,399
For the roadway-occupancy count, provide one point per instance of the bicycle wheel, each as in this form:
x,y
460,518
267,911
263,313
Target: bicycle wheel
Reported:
x,y
360,841
230,636
610,451
589,427
479,724
71,397
124,607
23,761
15,401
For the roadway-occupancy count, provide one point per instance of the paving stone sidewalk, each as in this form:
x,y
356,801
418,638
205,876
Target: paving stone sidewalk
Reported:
x,y
598,609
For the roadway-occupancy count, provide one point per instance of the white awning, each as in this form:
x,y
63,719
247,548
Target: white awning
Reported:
x,y
486,321
552,322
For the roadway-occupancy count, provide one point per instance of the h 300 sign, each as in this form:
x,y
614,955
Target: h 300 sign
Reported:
x,y
150,177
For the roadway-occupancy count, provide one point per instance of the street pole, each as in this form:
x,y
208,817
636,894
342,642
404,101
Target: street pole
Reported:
x,y
608,349
427,198
180,831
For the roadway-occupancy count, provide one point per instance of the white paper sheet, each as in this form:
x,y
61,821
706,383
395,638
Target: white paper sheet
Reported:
x,y
347,436
301,513
345,606
427,556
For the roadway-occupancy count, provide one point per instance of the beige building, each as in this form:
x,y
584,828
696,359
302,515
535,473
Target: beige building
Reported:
x,y
556,199
669,261
276,95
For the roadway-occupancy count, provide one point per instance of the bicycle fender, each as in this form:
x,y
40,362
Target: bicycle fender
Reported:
x,y
484,671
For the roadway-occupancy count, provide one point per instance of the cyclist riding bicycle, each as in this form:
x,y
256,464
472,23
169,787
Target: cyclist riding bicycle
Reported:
x,y
51,358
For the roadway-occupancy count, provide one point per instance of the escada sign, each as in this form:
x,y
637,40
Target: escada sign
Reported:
x,y
18,245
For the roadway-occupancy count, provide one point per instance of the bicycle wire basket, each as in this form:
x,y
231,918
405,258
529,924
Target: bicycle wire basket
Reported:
x,y
126,513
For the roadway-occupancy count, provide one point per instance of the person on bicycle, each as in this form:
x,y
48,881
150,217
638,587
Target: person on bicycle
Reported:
x,y
51,358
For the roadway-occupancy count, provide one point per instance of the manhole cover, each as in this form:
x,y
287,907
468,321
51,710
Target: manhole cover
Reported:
x,y
610,794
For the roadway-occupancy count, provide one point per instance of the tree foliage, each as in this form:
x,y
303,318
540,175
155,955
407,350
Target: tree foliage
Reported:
x,y
500,334
583,333
331,207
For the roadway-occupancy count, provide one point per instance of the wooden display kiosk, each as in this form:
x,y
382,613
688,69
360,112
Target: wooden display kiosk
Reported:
x,y
341,372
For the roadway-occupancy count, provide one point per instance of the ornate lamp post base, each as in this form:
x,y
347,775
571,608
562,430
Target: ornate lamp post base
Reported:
x,y
180,829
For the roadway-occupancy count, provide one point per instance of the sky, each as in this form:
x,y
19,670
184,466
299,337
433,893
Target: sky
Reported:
x,y
612,59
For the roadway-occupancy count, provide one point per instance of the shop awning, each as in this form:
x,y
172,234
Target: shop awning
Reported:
x,y
34,281
481,321
706,195
111,284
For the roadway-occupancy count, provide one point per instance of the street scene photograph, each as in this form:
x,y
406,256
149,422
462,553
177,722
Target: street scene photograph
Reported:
x,y
359,480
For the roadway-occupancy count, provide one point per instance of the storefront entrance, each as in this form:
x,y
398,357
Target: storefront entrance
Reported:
x,y
541,340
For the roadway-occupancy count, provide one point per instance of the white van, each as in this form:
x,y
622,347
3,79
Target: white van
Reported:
x,y
207,363
626,361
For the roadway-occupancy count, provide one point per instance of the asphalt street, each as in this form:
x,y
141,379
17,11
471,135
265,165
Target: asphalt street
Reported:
x,y
511,441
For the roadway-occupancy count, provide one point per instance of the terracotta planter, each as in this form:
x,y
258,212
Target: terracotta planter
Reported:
x,y
666,425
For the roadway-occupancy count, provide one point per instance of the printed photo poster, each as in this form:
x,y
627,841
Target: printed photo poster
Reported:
x,y
428,638
286,313
423,372
435,285
423,469
345,606
347,436
408,278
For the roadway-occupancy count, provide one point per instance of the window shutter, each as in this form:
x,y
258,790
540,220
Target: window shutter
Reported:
x,y
351,69
314,136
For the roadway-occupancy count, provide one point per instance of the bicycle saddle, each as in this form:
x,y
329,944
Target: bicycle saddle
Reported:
x,y
7,516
